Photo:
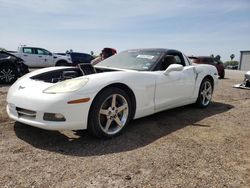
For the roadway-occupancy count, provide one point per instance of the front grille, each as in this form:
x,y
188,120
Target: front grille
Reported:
x,y
25,112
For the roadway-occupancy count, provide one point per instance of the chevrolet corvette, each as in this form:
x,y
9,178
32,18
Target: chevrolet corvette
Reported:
x,y
103,99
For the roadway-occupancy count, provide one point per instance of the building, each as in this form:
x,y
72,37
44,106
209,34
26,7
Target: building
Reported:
x,y
244,60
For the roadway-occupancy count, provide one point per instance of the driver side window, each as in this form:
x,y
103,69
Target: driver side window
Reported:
x,y
179,59
169,59
42,52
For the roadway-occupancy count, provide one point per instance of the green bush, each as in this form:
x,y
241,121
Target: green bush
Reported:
x,y
232,63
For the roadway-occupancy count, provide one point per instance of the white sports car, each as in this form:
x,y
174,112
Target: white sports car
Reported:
x,y
103,99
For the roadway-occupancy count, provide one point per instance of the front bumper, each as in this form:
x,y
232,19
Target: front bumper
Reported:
x,y
29,106
38,121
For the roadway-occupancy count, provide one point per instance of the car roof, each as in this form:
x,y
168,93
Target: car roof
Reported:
x,y
31,47
164,50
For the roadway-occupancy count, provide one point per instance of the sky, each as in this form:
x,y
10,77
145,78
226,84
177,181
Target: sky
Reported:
x,y
195,27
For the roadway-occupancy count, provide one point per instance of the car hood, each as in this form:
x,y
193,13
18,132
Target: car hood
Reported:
x,y
11,56
12,59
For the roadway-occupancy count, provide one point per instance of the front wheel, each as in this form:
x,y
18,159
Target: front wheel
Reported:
x,y
109,113
62,63
8,74
205,93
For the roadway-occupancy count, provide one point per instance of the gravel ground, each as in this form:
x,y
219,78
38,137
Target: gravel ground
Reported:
x,y
183,147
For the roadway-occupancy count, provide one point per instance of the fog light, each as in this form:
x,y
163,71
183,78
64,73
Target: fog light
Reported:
x,y
53,117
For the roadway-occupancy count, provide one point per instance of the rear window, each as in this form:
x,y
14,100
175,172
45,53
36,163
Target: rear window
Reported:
x,y
27,50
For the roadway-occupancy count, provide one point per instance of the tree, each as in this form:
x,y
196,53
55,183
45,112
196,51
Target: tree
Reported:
x,y
2,49
217,57
232,56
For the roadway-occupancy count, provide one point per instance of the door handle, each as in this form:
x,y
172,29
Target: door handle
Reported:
x,y
25,55
39,56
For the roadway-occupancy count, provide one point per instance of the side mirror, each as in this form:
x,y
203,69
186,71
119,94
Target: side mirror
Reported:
x,y
173,67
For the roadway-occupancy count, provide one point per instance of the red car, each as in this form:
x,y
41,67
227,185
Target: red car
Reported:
x,y
211,61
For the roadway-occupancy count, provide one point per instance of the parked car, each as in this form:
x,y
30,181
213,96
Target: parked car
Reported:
x,y
246,82
211,61
11,67
103,99
106,53
39,57
233,67
247,79
78,58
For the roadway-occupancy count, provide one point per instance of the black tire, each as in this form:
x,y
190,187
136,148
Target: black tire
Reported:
x,y
222,75
8,74
109,114
62,63
205,93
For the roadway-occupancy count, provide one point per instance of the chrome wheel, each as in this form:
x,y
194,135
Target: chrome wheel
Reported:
x,y
7,75
113,114
206,93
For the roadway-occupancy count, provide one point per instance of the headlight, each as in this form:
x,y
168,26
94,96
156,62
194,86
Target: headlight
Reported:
x,y
67,86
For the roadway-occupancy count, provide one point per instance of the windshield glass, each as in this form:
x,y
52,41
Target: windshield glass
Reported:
x,y
133,59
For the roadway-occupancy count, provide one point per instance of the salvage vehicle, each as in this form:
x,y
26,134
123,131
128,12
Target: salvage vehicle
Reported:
x,y
210,61
103,99
78,58
39,57
11,68
246,82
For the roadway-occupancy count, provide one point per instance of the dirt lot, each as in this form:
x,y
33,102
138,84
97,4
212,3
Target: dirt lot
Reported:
x,y
184,147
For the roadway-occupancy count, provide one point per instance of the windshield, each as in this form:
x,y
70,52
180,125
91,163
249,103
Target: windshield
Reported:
x,y
141,60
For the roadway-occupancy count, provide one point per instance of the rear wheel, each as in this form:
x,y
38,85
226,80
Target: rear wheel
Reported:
x,y
205,93
109,113
8,74
222,75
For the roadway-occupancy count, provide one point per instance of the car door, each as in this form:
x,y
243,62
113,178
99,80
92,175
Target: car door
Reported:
x,y
45,58
175,88
29,56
